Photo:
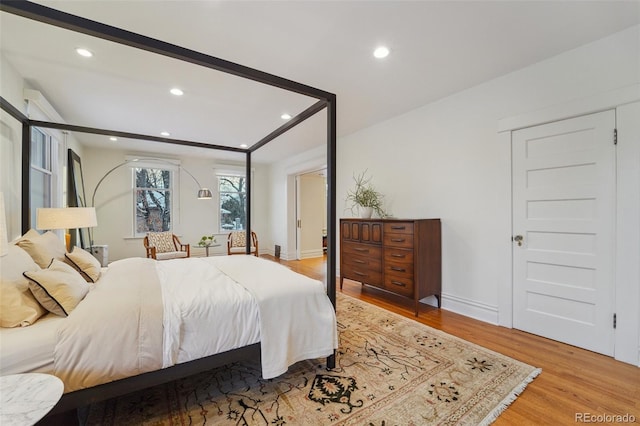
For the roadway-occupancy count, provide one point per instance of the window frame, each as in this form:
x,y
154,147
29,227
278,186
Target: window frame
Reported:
x,y
229,174
173,167
52,196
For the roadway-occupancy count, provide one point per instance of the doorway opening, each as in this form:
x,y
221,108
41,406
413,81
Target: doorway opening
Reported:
x,y
311,213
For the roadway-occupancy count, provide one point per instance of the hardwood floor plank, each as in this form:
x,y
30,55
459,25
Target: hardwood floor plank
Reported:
x,y
573,380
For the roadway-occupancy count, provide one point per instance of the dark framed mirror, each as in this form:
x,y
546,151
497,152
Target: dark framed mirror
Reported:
x,y
76,198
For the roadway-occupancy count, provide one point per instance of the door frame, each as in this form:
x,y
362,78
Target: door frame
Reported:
x,y
627,291
317,161
298,216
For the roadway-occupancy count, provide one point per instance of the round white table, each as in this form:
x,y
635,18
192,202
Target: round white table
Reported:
x,y
27,398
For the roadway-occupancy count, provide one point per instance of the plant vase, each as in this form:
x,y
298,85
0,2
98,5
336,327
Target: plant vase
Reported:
x,y
365,212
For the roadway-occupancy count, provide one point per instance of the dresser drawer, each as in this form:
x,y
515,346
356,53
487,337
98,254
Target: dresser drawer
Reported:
x,y
349,248
361,262
392,239
398,227
399,268
392,254
399,284
362,275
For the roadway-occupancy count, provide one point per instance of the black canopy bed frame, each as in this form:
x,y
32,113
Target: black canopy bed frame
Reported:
x,y
78,399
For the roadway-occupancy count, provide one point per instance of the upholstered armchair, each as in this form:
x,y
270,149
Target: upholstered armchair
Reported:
x,y
237,243
165,245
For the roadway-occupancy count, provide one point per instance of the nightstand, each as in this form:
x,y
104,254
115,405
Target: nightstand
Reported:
x,y
27,398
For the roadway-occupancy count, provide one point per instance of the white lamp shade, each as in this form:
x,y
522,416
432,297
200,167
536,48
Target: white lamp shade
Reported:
x,y
4,242
66,218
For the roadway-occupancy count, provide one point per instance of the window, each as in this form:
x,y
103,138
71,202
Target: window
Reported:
x,y
153,199
233,197
42,172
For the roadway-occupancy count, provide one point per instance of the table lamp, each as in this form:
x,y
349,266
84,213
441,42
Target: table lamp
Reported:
x,y
66,218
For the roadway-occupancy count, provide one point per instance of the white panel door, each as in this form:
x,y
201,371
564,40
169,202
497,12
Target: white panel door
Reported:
x,y
564,230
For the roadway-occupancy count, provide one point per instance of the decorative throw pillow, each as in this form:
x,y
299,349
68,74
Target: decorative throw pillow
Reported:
x,y
84,262
43,248
18,307
162,241
59,288
239,239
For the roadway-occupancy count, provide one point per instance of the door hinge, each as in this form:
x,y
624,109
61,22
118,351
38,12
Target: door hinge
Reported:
x,y
615,320
615,136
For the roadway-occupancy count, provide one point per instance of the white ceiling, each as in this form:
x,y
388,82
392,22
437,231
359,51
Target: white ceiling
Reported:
x,y
437,48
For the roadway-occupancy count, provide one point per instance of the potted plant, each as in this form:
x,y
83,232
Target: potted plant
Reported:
x,y
364,198
207,240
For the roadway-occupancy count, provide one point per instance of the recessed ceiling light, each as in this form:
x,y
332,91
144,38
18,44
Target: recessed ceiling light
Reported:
x,y
165,133
381,52
176,91
84,52
285,116
244,145
113,138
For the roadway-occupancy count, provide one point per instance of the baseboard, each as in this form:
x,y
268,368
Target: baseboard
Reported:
x,y
470,308
308,254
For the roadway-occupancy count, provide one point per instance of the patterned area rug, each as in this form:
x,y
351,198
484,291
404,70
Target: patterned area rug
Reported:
x,y
389,371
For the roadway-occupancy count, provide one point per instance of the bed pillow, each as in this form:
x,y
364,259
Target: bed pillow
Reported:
x,y
84,262
18,306
238,239
162,241
43,248
59,288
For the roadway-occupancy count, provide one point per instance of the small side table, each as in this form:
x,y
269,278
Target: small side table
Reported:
x,y
206,248
101,252
27,398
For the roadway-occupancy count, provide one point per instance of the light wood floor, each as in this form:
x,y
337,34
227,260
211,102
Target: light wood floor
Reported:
x,y
573,380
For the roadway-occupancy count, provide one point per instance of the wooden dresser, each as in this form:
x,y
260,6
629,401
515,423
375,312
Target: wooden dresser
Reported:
x,y
401,256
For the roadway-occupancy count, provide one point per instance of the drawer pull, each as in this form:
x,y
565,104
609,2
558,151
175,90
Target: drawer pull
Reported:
x,y
360,274
398,255
398,227
362,262
397,240
398,283
363,250
395,268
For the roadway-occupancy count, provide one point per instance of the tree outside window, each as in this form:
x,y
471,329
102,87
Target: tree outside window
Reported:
x,y
152,200
233,197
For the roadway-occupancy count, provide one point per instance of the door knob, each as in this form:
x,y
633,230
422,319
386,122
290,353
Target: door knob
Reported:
x,y
518,239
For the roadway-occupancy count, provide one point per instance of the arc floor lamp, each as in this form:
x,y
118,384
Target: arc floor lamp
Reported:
x,y
203,193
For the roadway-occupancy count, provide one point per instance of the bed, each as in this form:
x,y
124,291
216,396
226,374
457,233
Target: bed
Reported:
x,y
179,315
39,337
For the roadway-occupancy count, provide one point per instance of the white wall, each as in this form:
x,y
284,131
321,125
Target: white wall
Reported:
x,y
193,219
312,214
282,208
11,147
446,160
12,87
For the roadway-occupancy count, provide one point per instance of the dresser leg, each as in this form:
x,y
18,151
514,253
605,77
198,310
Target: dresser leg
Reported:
x,y
341,280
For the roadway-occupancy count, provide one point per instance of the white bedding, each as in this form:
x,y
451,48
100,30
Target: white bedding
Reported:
x,y
288,313
192,329
29,349
297,320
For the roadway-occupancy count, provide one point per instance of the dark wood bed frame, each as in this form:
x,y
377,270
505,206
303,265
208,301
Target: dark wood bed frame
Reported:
x,y
46,15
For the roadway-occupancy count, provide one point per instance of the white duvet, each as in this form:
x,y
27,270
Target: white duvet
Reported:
x,y
146,315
